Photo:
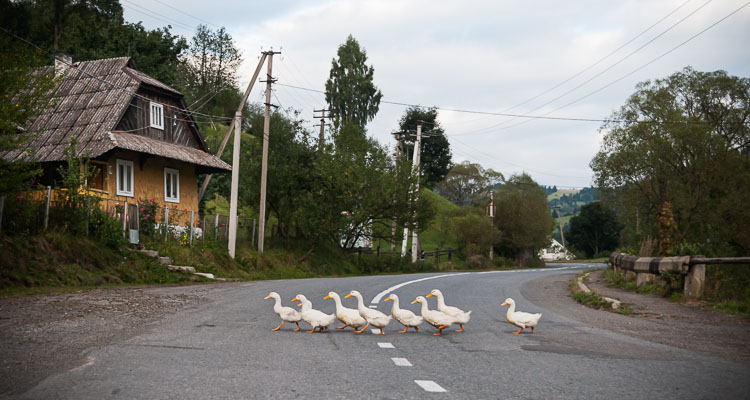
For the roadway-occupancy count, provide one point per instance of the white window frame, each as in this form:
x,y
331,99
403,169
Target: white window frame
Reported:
x,y
168,172
157,116
122,190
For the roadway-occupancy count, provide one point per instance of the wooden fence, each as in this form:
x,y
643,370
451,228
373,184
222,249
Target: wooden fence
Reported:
x,y
434,255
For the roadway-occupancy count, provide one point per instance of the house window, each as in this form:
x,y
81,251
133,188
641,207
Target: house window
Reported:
x,y
171,185
97,178
157,115
124,178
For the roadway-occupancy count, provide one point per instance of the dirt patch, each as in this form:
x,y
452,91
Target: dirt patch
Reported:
x,y
44,335
655,319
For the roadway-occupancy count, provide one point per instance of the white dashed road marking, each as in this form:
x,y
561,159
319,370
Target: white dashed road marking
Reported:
x,y
375,331
373,306
385,345
401,362
430,386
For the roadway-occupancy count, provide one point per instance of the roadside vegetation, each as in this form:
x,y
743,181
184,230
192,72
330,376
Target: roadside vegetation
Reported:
x,y
593,300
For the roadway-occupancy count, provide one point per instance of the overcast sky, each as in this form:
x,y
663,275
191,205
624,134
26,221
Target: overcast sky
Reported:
x,y
487,56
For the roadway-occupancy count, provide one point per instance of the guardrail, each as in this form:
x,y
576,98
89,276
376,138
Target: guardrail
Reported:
x,y
693,268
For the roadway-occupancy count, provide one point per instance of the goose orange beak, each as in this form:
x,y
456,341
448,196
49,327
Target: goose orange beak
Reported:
x,y
295,299
326,298
348,296
414,302
429,295
388,298
505,303
267,297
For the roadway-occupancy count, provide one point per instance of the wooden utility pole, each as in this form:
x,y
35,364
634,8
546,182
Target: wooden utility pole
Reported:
x,y
323,124
235,185
231,126
264,160
491,213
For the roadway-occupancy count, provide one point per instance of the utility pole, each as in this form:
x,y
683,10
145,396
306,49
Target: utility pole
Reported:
x,y
415,234
491,213
264,160
323,124
399,147
235,184
231,126
557,209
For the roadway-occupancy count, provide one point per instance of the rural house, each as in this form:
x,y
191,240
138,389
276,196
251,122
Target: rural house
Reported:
x,y
141,141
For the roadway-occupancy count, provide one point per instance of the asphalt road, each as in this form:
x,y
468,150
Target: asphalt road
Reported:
x,y
226,349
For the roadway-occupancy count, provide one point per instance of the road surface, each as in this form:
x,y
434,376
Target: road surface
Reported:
x,y
225,349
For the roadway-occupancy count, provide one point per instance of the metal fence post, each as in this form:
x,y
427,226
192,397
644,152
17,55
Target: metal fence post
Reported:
x,y
192,220
216,227
166,223
203,228
46,208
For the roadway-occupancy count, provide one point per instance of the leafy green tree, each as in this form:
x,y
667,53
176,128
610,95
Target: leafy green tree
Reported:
x,y
435,155
683,141
474,232
469,183
88,30
594,230
523,218
350,91
24,92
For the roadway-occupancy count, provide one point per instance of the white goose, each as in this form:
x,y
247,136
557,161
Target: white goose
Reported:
x,y
287,314
317,319
461,316
433,317
405,317
348,316
373,317
519,318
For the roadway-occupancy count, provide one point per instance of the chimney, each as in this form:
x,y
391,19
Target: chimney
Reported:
x,y
63,62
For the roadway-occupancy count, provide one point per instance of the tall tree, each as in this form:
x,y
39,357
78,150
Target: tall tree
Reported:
x,y
469,183
350,91
594,230
436,152
522,218
24,92
683,141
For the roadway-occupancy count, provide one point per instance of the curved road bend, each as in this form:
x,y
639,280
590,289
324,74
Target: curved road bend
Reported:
x,y
226,349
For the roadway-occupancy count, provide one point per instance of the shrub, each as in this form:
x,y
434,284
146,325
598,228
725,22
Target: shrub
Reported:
x,y
106,230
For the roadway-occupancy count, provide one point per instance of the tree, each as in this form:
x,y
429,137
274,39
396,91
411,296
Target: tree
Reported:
x,y
88,30
467,182
24,92
436,152
684,141
474,232
350,92
523,218
594,230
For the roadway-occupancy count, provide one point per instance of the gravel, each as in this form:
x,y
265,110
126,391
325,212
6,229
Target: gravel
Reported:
x,y
44,335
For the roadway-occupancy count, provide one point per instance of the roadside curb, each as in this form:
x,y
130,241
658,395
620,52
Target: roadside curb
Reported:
x,y
613,303
166,261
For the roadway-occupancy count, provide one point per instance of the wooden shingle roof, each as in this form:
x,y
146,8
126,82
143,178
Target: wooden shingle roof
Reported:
x,y
87,104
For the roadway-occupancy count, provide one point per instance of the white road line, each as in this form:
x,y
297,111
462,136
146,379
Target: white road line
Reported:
x,y
375,331
401,362
373,306
380,295
430,386
385,345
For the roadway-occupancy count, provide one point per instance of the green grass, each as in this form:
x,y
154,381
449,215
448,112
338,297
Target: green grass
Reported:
x,y
560,192
592,299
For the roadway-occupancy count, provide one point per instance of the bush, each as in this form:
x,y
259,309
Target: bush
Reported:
x,y
106,230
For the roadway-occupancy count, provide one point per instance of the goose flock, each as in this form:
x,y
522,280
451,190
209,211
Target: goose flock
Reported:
x,y
362,317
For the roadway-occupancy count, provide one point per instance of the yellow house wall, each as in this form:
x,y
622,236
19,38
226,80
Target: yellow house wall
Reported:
x,y
148,183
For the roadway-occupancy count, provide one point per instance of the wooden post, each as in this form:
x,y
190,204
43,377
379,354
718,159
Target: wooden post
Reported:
x,y
46,208
2,204
192,220
450,252
437,256
166,222
252,237
216,227
264,154
124,218
359,253
378,252
203,228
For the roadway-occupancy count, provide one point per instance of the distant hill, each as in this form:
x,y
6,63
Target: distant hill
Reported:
x,y
569,202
